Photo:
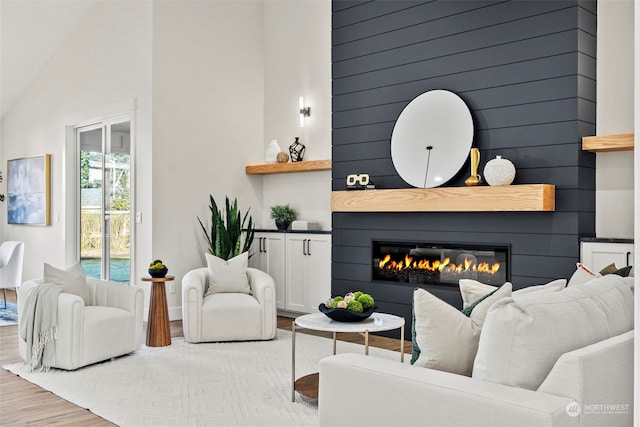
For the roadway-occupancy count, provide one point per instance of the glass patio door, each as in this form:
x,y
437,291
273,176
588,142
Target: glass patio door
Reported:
x,y
105,200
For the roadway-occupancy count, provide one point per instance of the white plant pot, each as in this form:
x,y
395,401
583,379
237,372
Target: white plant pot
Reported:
x,y
499,171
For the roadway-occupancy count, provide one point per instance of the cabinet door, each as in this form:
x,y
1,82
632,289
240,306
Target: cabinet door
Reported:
x,y
295,273
597,255
269,256
318,270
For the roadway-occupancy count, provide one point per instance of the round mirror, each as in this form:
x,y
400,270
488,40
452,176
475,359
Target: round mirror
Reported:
x,y
431,139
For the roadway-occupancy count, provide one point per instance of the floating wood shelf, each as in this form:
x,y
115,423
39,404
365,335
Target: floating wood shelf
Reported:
x,y
604,143
528,197
304,166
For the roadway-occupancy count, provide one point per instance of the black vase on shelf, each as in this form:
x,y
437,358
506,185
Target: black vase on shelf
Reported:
x,y
282,224
296,150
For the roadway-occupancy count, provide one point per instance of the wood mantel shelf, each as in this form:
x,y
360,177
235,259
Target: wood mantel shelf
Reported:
x,y
604,143
527,197
304,166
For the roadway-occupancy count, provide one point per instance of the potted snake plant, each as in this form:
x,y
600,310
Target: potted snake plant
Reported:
x,y
224,236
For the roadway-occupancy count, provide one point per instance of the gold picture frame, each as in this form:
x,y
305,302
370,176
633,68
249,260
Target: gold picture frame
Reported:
x,y
29,190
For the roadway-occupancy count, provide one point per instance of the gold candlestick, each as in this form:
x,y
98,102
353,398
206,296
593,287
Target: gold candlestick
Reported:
x,y
474,179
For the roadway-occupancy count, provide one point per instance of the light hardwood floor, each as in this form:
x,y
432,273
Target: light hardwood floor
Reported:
x,y
25,404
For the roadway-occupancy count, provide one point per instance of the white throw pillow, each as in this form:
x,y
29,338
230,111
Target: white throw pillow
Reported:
x,y
472,290
553,286
228,275
72,280
583,274
446,339
523,336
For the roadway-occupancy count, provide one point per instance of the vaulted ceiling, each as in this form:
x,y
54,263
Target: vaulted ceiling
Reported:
x,y
30,33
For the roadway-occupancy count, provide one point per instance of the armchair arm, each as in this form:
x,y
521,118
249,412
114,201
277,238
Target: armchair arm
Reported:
x,y
193,287
421,396
263,288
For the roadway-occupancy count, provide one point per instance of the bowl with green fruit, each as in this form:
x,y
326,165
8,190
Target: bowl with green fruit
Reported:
x,y
157,269
352,307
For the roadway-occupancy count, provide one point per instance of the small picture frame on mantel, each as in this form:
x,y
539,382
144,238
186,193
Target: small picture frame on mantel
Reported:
x,y
29,190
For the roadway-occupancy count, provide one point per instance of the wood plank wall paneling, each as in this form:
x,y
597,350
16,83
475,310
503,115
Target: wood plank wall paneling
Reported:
x,y
526,69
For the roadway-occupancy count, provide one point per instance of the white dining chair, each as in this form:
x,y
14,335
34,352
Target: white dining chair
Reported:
x,y
11,255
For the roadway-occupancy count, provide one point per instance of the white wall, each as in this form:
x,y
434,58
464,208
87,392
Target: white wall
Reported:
x,y
213,82
297,60
207,121
101,68
614,114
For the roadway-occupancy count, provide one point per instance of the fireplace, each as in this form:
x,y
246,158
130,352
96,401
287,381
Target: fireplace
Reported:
x,y
415,263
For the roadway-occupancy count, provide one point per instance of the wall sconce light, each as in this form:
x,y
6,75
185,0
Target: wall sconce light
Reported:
x,y
304,111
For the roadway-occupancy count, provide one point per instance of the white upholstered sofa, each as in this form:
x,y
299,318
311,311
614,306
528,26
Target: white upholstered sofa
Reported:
x,y
110,326
525,372
228,316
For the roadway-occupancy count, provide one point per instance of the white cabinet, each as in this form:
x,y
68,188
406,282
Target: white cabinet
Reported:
x,y
597,255
269,256
300,264
308,271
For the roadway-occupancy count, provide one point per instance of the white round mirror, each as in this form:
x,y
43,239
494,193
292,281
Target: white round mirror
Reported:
x,y
431,139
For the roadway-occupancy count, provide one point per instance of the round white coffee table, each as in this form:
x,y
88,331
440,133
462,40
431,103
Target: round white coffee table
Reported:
x,y
378,322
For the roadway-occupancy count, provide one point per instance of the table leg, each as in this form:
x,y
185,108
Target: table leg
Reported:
x,y
293,361
402,344
366,342
334,343
158,331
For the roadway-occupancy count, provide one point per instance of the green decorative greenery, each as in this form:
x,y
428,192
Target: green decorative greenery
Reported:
x,y
283,212
355,306
224,236
366,300
352,301
157,265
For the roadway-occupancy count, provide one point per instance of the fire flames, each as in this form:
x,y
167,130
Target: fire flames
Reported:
x,y
445,265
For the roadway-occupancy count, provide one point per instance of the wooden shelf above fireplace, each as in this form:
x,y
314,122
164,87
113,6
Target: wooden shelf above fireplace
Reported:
x,y
605,143
527,197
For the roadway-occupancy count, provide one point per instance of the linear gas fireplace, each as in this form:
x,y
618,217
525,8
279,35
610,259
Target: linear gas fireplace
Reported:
x,y
439,264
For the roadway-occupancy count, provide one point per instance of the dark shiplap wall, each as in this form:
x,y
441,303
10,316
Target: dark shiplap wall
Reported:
x,y
526,69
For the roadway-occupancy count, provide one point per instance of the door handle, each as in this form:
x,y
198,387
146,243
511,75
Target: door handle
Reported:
x,y
628,254
304,247
309,247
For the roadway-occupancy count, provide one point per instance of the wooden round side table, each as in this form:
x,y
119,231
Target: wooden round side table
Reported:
x,y
158,332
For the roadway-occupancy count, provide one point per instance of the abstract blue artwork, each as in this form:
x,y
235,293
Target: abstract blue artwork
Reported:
x,y
28,190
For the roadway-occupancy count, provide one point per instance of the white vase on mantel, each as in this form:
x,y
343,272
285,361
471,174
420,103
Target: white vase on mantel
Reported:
x,y
499,171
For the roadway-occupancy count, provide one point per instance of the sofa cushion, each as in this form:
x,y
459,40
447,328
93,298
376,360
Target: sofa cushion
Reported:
x,y
228,275
583,274
524,335
472,290
72,280
444,338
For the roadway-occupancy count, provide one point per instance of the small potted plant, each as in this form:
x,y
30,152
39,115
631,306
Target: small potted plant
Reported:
x,y
283,214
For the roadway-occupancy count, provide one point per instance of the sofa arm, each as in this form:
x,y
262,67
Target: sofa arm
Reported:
x,y
392,393
263,288
193,286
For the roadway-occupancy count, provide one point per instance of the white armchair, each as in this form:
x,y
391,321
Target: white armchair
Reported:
x,y
111,326
228,316
11,255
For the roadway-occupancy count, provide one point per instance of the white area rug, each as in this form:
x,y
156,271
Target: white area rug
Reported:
x,y
209,384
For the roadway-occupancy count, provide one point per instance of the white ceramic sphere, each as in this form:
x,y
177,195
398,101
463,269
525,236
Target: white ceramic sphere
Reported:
x,y
499,171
